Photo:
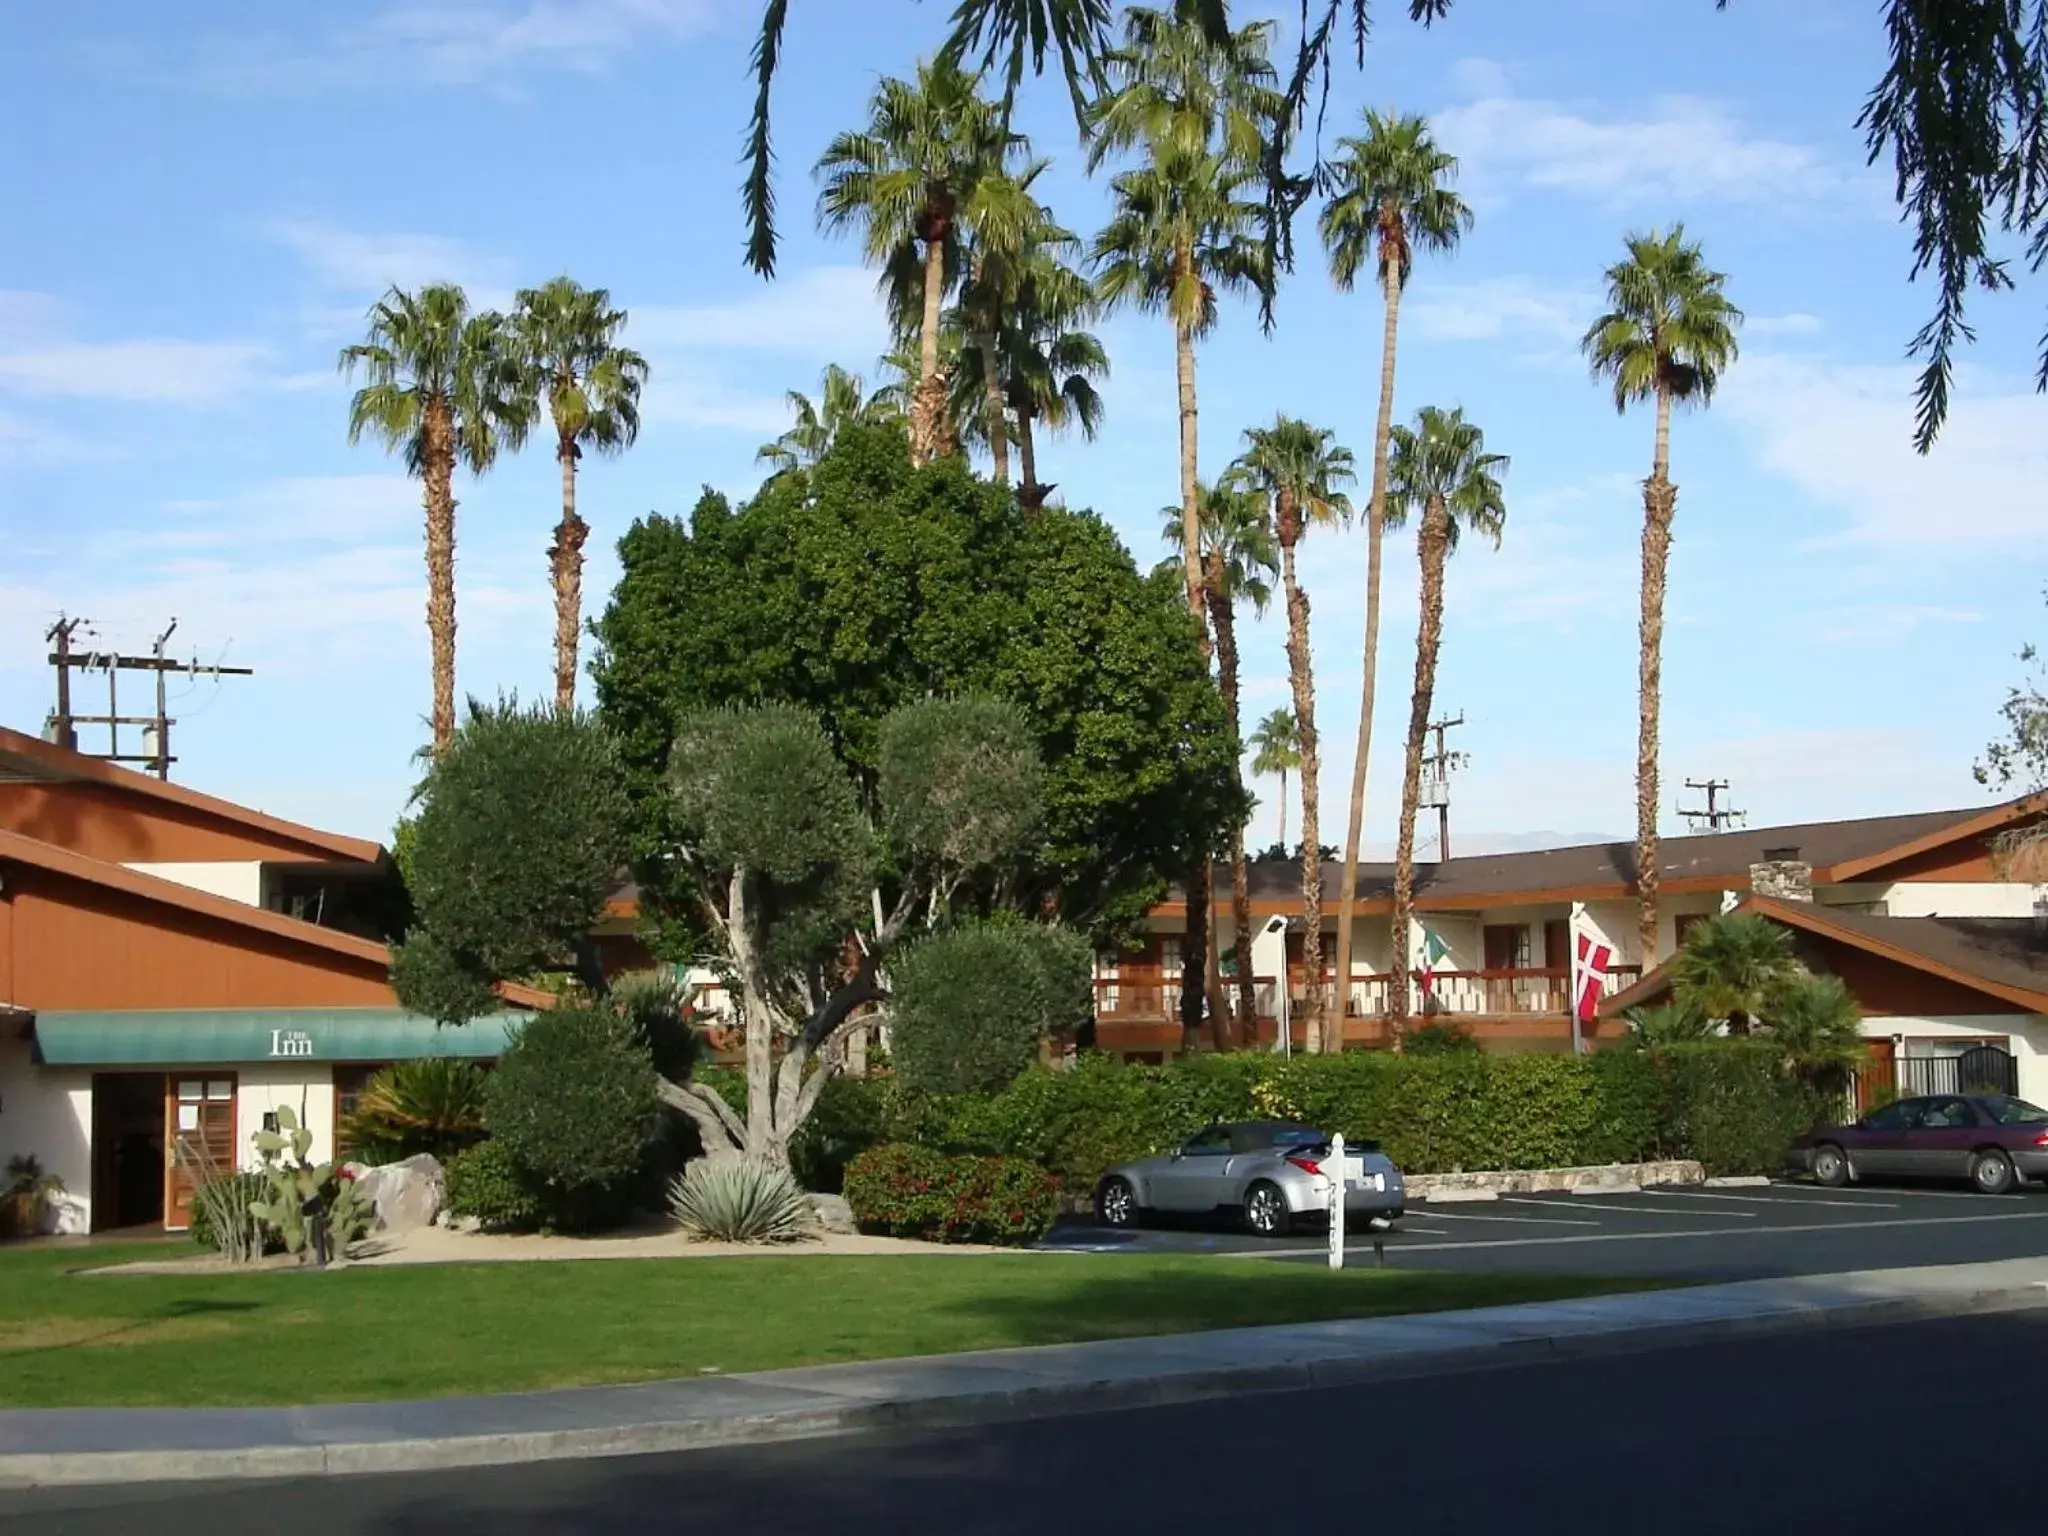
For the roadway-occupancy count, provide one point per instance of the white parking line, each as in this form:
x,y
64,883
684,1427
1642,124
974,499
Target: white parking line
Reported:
x,y
1686,1194
1642,1210
1722,1232
1538,1221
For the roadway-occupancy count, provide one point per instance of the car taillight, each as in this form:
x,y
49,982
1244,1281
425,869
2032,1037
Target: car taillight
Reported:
x,y
1306,1164
2041,1140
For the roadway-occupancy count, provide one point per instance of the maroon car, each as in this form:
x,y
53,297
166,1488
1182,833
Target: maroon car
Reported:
x,y
1991,1139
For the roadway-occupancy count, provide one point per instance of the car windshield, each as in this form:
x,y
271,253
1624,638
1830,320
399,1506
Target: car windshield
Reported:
x,y
2009,1111
1290,1137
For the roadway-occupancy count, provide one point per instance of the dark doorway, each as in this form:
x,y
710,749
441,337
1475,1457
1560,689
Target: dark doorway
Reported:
x,y
127,1150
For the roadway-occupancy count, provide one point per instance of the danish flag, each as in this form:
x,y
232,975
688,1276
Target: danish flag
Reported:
x,y
1589,972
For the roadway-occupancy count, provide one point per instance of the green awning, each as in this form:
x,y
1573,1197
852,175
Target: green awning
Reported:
x,y
228,1036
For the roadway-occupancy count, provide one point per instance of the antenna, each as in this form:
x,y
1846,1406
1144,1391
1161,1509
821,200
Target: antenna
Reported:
x,y
156,728
1714,817
1436,781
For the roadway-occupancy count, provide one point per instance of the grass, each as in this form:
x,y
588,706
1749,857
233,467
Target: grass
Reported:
x,y
71,1340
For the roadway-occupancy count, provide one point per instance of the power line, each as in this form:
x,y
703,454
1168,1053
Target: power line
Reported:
x,y
1713,817
1436,781
156,727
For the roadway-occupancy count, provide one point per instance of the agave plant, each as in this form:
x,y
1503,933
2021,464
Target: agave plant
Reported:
x,y
740,1200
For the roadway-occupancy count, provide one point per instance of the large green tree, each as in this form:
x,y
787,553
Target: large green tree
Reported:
x,y
1298,473
442,386
1667,337
1391,197
902,182
568,338
870,586
1440,473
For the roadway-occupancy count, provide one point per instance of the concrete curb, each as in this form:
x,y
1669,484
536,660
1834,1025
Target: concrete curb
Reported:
x,y
1489,1341
1613,1178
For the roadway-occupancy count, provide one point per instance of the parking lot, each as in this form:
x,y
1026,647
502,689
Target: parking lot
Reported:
x,y
1689,1233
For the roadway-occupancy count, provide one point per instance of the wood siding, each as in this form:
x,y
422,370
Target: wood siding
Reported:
x,y
1884,987
104,822
67,943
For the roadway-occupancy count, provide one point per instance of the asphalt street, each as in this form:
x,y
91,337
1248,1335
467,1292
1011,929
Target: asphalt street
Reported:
x,y
1918,1427
1695,1234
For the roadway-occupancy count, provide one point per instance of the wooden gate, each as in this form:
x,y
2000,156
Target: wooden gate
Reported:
x,y
199,1138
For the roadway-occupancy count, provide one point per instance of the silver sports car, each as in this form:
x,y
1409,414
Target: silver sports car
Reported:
x,y
1273,1172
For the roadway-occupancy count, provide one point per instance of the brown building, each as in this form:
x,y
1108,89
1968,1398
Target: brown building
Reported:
x,y
173,969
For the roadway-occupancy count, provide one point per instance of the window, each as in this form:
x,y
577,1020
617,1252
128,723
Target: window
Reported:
x,y
349,1083
1902,1116
1506,946
2009,1111
1947,1115
1169,957
1214,1142
1685,922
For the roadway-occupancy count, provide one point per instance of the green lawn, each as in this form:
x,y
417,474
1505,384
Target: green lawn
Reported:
x,y
71,1340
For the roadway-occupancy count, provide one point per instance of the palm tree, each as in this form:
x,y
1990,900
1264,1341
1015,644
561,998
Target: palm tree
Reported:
x,y
1296,471
1668,335
1735,968
444,386
568,340
1276,748
1390,199
1238,564
1007,229
842,402
901,182
1440,469
1051,363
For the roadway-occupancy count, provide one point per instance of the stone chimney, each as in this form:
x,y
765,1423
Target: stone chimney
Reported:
x,y
1782,874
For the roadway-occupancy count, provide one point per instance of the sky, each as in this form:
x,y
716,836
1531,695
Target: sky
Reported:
x,y
205,199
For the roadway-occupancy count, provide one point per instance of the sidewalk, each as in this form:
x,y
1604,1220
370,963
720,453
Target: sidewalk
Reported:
x,y
89,1445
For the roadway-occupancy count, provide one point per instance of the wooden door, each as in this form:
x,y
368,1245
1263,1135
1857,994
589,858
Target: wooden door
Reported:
x,y
199,1138
1880,1069
1557,945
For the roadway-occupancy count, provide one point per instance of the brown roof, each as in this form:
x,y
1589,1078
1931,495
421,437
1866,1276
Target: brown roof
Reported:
x,y
2005,957
1707,861
29,757
62,861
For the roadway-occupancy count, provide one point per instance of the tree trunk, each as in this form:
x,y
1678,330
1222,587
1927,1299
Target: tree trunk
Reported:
x,y
1190,495
1428,638
1375,537
1247,1012
440,500
1660,501
929,413
1030,494
1303,680
1283,810
992,404
565,563
1194,957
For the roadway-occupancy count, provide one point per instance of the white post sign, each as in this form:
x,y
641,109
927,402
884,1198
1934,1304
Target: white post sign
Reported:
x,y
1337,1201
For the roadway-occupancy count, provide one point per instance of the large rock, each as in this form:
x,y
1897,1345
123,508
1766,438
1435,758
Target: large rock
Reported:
x,y
834,1214
405,1195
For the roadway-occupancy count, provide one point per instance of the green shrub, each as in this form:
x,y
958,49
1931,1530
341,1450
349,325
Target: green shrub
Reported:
x,y
573,1102
740,1200
907,1191
1732,1105
1442,1038
852,1114
434,1105
485,1183
972,1003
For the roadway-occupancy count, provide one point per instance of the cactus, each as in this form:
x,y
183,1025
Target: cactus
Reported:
x,y
312,1206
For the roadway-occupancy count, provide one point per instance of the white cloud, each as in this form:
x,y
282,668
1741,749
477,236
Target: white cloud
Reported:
x,y
827,312
1843,434
156,371
363,263
1864,624
1794,324
1497,307
335,509
1683,149
454,42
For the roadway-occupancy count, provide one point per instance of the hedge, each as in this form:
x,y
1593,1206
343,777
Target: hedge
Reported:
x,y
1730,1104
908,1191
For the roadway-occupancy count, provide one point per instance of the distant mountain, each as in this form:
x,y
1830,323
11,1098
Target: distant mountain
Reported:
x,y
1464,845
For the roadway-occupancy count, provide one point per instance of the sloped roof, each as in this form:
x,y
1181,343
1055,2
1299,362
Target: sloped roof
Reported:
x,y
30,758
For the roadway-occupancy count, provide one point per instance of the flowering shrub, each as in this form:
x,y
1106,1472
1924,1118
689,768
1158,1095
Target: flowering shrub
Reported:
x,y
910,1191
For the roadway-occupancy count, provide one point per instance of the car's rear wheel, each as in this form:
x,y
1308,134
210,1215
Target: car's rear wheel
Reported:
x,y
1992,1172
1265,1210
1830,1165
1116,1202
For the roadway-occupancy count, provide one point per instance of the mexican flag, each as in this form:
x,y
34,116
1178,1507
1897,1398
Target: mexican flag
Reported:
x,y
1434,952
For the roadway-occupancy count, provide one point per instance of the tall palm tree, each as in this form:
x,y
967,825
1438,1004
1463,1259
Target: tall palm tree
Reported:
x,y
1238,564
568,339
1201,111
1276,749
443,386
901,182
1007,228
1391,198
1197,105
1668,336
1297,472
1051,363
843,401
1440,469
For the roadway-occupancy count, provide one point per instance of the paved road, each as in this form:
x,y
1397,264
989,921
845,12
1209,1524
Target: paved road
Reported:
x,y
1910,1429
1701,1234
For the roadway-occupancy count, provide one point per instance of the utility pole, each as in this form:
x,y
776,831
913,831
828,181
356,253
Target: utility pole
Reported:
x,y
1436,781
1715,817
156,727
